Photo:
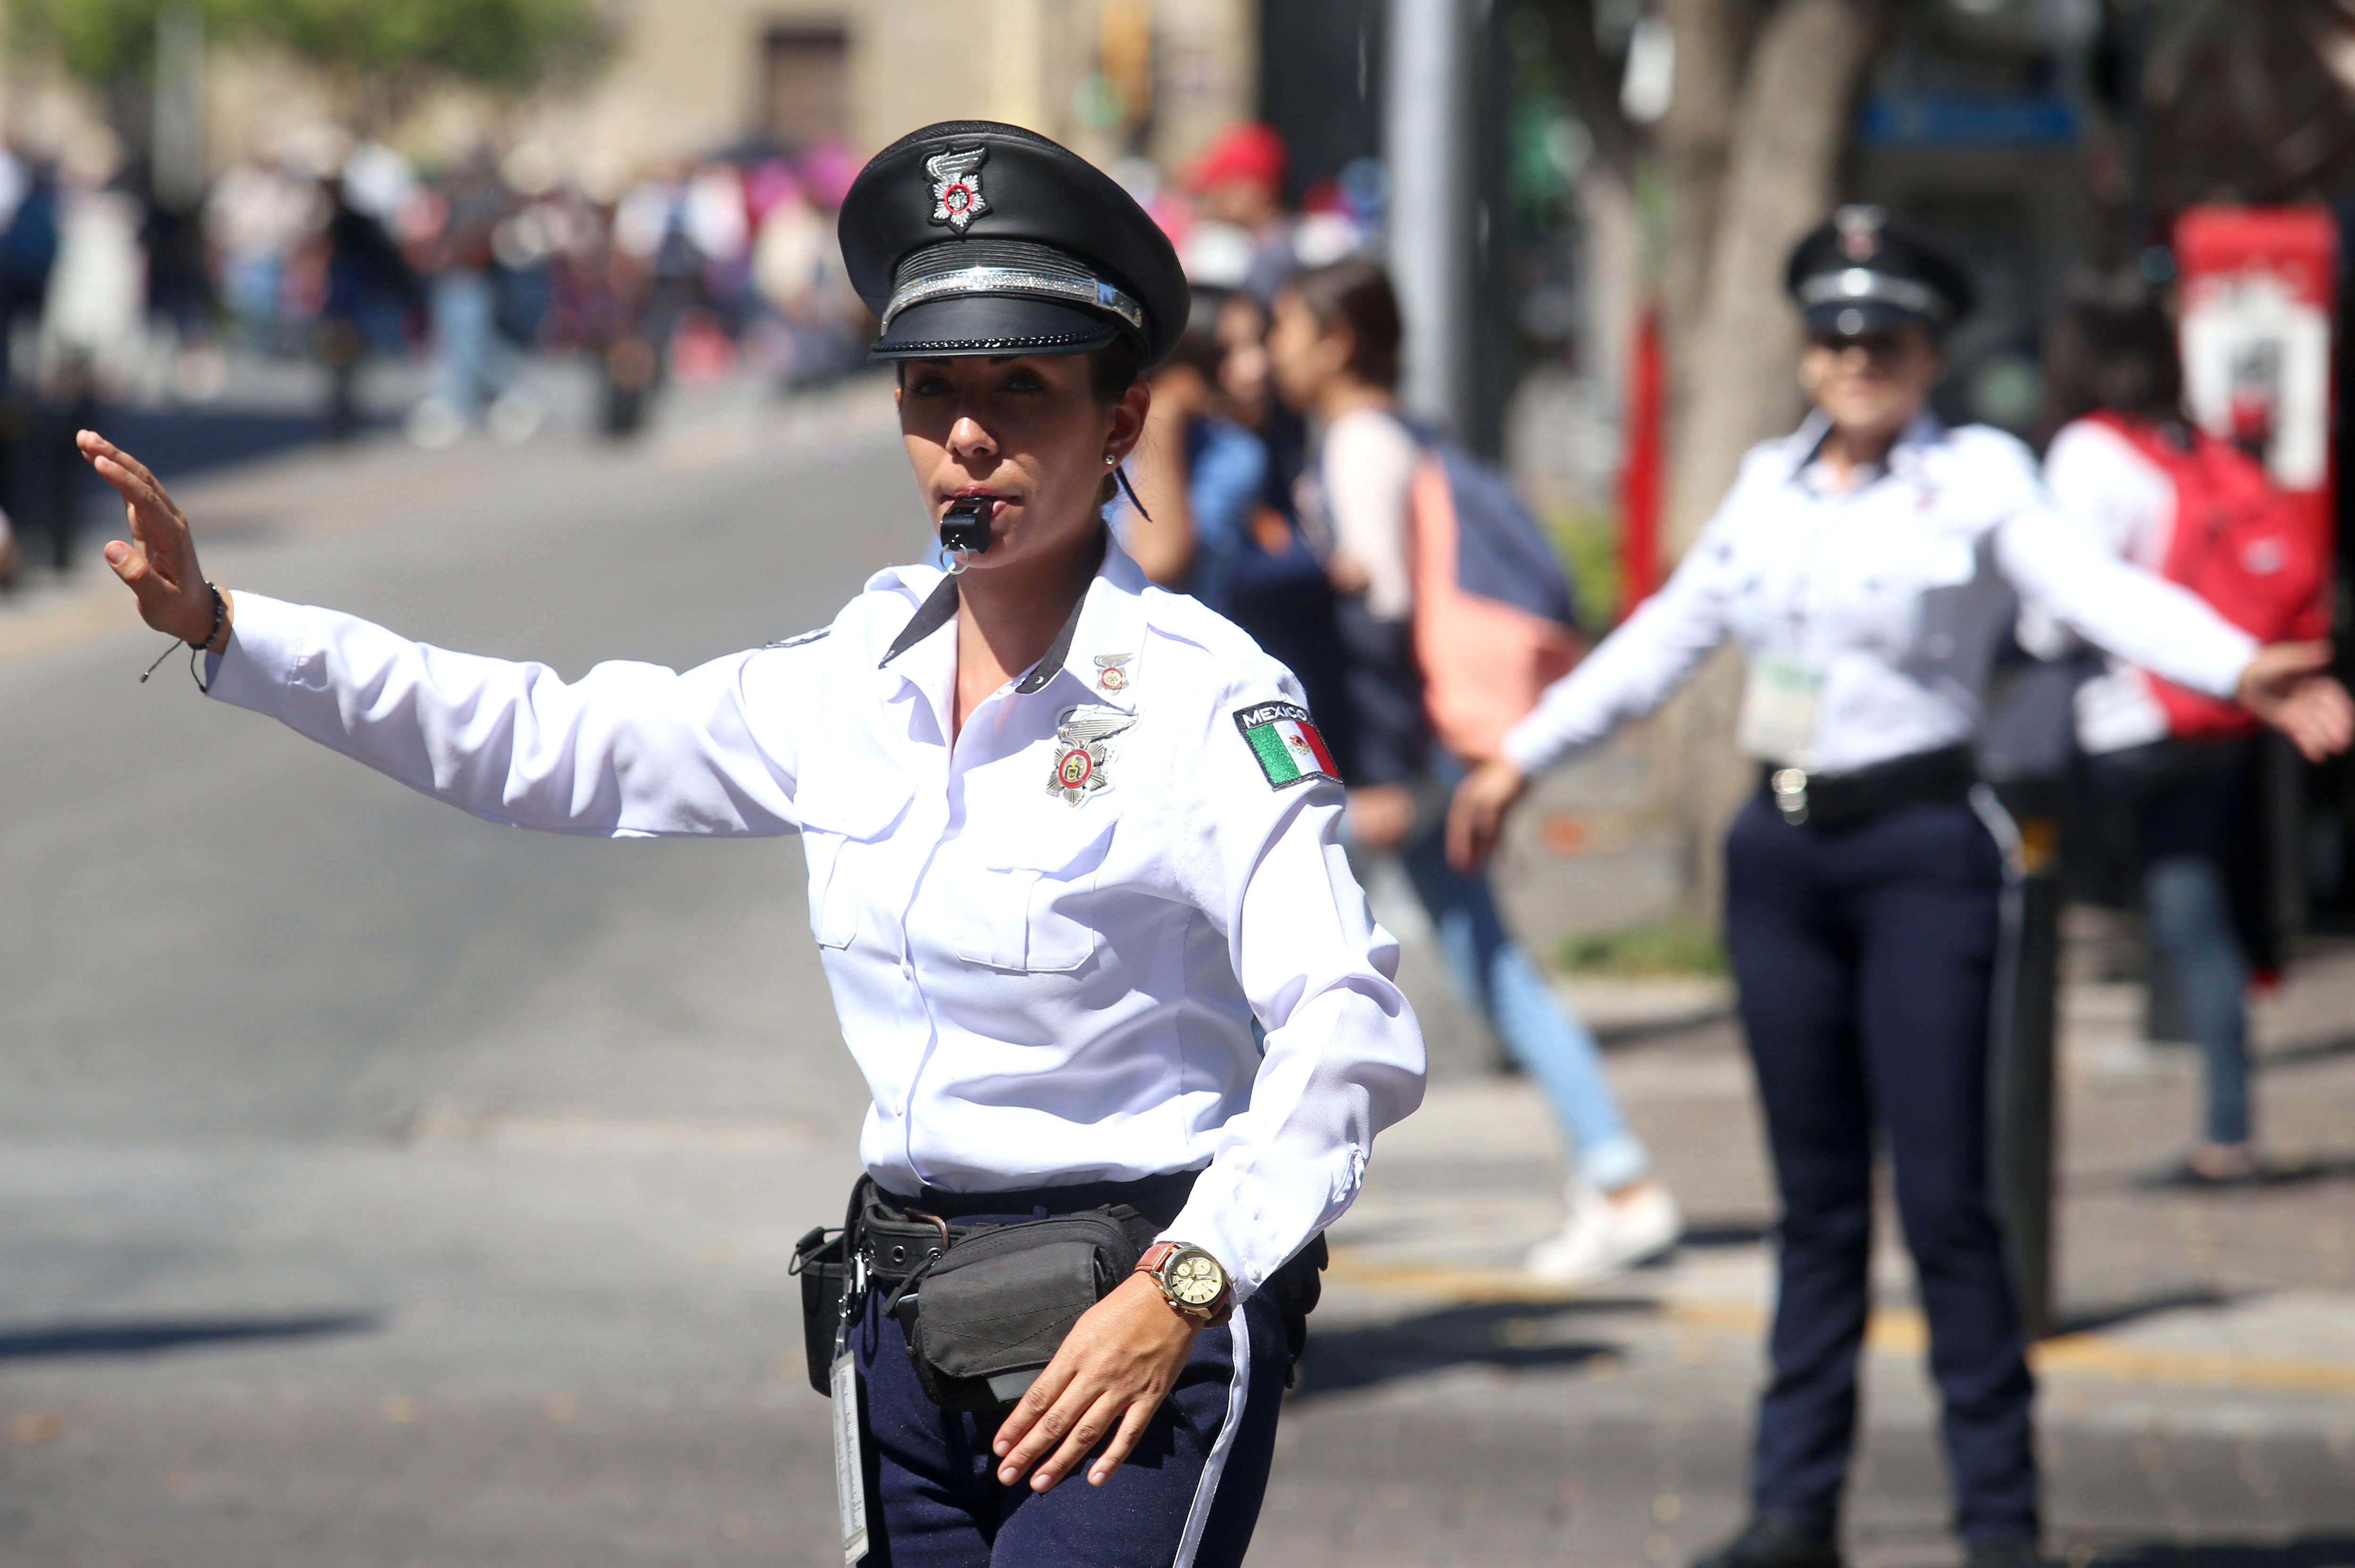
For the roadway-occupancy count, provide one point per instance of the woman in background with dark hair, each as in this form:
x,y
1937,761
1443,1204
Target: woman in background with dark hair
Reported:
x,y
2129,469
1335,352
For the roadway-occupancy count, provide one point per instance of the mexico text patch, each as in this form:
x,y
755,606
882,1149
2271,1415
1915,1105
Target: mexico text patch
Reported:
x,y
1286,743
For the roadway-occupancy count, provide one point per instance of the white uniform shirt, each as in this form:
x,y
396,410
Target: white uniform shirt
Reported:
x,y
2120,498
1897,592
1039,992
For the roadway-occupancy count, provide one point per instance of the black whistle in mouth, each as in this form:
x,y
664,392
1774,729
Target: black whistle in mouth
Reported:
x,y
965,525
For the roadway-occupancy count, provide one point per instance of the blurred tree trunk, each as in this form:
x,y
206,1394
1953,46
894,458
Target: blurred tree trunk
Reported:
x,y
1748,155
1774,177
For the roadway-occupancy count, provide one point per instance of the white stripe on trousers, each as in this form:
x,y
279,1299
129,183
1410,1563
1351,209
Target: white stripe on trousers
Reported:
x,y
1206,1490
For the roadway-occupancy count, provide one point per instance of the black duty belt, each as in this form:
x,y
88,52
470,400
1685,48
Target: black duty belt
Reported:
x,y
1093,1232
1833,801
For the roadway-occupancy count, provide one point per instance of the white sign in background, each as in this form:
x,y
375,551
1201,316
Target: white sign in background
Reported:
x,y
2247,336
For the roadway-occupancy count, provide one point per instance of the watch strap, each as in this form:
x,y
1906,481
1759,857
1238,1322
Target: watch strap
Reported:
x,y
1210,1316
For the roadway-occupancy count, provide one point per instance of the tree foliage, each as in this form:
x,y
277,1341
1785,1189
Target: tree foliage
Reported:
x,y
386,52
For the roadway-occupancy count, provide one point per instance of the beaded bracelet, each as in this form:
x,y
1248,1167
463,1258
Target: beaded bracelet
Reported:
x,y
220,614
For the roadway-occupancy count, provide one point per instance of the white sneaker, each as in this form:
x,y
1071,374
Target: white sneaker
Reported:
x,y
1608,1235
514,419
434,424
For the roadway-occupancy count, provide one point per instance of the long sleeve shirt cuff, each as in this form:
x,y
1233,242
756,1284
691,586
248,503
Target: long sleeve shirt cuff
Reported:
x,y
267,644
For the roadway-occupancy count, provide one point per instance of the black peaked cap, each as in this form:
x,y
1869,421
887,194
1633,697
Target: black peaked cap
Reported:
x,y
993,239
1859,273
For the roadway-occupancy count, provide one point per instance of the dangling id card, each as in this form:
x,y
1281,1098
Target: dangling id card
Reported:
x,y
850,1460
849,1453
1780,704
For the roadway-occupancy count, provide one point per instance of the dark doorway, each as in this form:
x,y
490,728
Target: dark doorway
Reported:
x,y
806,84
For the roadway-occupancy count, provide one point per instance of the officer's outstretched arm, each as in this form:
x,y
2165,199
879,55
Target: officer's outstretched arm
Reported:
x,y
2164,626
629,750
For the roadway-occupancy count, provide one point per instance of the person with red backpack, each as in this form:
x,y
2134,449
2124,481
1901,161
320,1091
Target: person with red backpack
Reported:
x,y
1451,615
2164,762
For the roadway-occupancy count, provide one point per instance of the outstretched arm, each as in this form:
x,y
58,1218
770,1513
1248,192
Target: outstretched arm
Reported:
x,y
2163,627
1628,675
629,749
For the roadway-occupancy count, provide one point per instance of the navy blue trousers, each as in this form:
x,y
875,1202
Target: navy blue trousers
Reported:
x,y
1187,1496
1865,959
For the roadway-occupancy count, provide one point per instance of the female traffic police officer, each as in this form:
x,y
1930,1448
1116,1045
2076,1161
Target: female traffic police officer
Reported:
x,y
1073,868
1866,564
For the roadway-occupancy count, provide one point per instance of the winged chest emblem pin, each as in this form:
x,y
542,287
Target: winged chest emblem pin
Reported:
x,y
956,188
1081,751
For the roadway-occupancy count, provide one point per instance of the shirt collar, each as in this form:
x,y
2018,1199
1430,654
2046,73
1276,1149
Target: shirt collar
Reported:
x,y
1925,430
1103,630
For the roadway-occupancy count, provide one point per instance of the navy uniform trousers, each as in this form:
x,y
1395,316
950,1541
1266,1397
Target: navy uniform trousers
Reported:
x,y
1865,957
1186,1497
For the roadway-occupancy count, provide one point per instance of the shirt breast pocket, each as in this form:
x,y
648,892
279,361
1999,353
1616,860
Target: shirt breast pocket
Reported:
x,y
842,835
1035,905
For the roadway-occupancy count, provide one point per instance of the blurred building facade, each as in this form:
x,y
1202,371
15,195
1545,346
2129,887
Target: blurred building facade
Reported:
x,y
1156,78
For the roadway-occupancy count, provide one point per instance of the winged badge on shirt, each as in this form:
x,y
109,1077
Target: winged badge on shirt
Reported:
x,y
1081,751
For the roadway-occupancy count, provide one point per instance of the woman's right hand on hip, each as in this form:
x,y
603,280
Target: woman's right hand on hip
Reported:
x,y
159,563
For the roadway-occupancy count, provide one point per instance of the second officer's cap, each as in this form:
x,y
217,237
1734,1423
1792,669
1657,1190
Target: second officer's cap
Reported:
x,y
1859,273
973,238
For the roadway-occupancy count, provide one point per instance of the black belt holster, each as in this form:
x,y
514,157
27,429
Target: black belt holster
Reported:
x,y
985,1306
1834,801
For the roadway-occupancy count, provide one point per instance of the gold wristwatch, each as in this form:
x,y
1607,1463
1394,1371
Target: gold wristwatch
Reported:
x,y
1192,1281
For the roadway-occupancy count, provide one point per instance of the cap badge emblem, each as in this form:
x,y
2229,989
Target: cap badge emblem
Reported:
x,y
956,186
1109,673
1081,748
1859,231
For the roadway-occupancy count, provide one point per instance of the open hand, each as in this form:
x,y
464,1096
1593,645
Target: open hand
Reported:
x,y
1113,1370
159,563
1475,817
2285,685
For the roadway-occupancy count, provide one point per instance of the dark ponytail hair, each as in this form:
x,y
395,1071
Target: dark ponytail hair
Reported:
x,y
1356,293
2113,349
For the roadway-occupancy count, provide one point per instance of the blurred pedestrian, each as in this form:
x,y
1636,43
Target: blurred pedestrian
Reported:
x,y
370,291
1867,565
1200,472
257,212
2167,767
1242,233
1335,348
1130,1026
475,369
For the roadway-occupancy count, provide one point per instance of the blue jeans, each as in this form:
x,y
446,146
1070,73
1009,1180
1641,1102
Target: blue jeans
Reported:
x,y
472,362
1499,980
2178,796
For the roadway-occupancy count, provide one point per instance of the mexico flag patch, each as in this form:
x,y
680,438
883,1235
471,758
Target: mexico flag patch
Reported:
x,y
1286,745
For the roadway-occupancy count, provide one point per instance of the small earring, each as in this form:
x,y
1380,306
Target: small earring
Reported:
x,y
1110,460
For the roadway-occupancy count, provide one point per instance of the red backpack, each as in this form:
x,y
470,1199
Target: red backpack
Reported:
x,y
2241,545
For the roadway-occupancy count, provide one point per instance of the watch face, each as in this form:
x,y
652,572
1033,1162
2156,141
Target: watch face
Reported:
x,y
1195,1278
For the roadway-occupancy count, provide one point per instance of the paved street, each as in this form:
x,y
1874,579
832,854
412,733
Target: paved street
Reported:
x,y
379,1188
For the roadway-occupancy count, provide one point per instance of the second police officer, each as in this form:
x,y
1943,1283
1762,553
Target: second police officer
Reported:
x,y
1867,564
1073,868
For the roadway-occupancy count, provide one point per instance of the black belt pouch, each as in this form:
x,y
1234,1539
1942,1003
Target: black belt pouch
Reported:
x,y
987,1317
822,1259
